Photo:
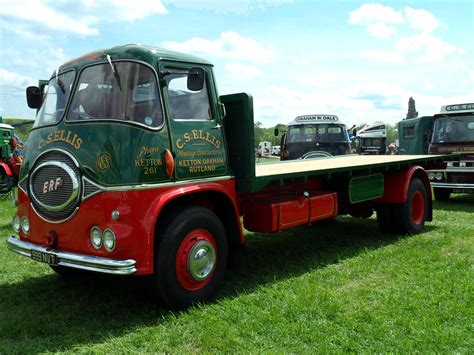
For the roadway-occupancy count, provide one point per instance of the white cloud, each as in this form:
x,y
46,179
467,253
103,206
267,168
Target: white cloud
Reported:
x,y
422,47
40,13
381,30
471,74
127,10
384,57
239,72
14,79
13,85
43,60
421,19
28,17
426,48
375,13
227,7
229,45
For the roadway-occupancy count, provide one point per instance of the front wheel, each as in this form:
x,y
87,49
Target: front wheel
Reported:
x,y
192,255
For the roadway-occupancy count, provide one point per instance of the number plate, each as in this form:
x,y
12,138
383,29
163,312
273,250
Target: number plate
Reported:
x,y
47,258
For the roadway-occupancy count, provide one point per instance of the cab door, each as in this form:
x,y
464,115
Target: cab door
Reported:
x,y
195,121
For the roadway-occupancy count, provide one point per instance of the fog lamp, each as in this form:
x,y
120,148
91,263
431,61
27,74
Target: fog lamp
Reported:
x,y
96,237
25,225
439,176
109,240
431,176
16,223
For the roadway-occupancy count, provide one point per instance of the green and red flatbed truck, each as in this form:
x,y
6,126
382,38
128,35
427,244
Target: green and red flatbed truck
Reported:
x,y
136,166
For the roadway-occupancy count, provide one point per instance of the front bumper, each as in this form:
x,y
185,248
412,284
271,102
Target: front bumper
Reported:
x,y
447,185
77,261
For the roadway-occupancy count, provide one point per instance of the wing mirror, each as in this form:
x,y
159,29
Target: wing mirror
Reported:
x,y
34,96
196,79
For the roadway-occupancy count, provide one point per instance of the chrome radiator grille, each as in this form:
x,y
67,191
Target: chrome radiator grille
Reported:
x,y
55,185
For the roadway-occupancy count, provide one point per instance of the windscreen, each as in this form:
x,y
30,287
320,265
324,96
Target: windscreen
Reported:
x,y
453,129
54,101
316,133
124,91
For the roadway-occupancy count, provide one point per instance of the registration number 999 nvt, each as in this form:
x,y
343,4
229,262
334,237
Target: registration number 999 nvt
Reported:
x,y
47,258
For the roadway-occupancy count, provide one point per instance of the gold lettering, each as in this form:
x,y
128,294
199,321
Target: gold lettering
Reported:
x,y
179,145
78,143
186,137
195,134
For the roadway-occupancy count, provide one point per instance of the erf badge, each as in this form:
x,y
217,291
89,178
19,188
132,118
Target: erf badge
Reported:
x,y
103,161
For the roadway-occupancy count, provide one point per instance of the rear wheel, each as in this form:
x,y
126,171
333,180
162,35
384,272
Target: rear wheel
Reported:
x,y
191,257
441,194
408,217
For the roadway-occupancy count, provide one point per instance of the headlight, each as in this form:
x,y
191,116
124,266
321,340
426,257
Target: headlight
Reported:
x,y
109,240
439,176
16,223
25,225
431,176
96,237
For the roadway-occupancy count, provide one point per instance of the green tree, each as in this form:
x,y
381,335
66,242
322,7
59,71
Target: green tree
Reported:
x,y
412,113
392,132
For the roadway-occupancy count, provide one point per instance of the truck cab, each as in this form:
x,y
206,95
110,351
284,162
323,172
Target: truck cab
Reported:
x,y
371,139
314,136
453,133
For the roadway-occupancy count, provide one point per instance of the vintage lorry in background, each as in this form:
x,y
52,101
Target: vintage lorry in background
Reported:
x,y
450,131
370,139
137,166
314,136
11,148
264,149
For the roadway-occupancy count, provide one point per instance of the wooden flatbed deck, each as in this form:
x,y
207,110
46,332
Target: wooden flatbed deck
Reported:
x,y
340,163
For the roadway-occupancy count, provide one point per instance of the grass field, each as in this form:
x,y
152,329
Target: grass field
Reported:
x,y
331,287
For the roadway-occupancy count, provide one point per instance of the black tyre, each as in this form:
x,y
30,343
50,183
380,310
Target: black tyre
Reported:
x,y
415,210
441,194
192,255
408,217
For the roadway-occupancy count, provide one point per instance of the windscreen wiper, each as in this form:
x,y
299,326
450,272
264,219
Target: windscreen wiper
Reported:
x,y
59,82
114,70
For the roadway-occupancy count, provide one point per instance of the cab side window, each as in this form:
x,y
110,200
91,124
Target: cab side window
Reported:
x,y
185,104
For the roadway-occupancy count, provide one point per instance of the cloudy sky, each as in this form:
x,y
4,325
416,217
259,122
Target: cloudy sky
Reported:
x,y
359,60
